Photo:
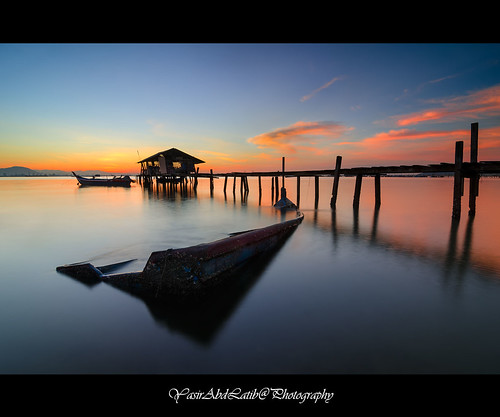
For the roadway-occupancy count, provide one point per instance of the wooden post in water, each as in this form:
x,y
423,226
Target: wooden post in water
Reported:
x,y
272,190
474,139
260,190
357,190
377,191
458,180
225,184
196,178
244,191
474,177
211,182
234,185
247,188
335,188
298,190
276,181
283,190
283,172
316,191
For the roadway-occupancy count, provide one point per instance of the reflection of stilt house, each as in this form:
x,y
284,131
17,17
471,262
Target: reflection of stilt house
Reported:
x,y
169,164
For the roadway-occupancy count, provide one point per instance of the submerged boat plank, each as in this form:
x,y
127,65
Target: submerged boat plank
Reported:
x,y
192,270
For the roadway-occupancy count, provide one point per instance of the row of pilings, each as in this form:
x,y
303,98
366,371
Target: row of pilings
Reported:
x,y
459,169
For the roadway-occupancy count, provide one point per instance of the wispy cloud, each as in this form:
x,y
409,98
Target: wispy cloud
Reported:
x,y
438,80
477,104
328,84
300,135
407,92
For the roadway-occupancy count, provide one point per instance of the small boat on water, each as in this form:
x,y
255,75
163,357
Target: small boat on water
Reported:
x,y
192,270
116,181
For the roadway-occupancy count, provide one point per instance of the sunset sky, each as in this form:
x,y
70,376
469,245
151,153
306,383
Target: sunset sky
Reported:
x,y
241,107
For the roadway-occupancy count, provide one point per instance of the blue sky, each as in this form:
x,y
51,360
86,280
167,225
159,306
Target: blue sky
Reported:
x,y
244,106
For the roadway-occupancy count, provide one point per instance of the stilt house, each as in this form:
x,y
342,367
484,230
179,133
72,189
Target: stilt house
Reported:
x,y
171,162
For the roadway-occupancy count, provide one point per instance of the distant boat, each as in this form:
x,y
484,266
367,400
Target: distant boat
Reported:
x,y
192,270
116,181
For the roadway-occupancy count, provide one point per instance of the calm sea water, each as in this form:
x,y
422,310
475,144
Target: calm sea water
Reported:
x,y
395,291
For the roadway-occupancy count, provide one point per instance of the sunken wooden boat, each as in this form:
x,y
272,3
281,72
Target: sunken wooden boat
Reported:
x,y
193,270
116,181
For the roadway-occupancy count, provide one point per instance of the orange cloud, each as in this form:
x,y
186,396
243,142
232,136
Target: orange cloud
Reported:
x,y
290,139
478,104
410,135
489,144
412,146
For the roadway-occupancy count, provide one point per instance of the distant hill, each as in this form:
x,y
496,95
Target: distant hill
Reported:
x,y
17,171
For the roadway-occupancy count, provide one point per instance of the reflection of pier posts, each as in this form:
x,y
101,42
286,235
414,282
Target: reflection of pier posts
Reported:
x,y
355,222
334,228
373,236
452,258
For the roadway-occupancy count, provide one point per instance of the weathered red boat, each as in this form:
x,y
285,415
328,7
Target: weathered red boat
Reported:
x,y
192,270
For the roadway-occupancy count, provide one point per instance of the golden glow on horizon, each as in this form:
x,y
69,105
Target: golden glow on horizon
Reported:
x,y
119,160
305,144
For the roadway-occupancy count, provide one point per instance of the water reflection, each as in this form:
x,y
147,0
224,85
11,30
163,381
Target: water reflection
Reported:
x,y
454,260
170,189
452,251
189,189
456,263
200,319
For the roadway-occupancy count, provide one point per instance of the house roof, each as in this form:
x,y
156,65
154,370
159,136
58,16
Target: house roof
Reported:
x,y
173,154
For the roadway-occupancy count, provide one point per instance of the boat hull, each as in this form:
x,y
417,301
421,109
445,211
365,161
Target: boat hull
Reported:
x,y
195,270
114,182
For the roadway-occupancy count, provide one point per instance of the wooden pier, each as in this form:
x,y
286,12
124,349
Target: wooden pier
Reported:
x,y
459,169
